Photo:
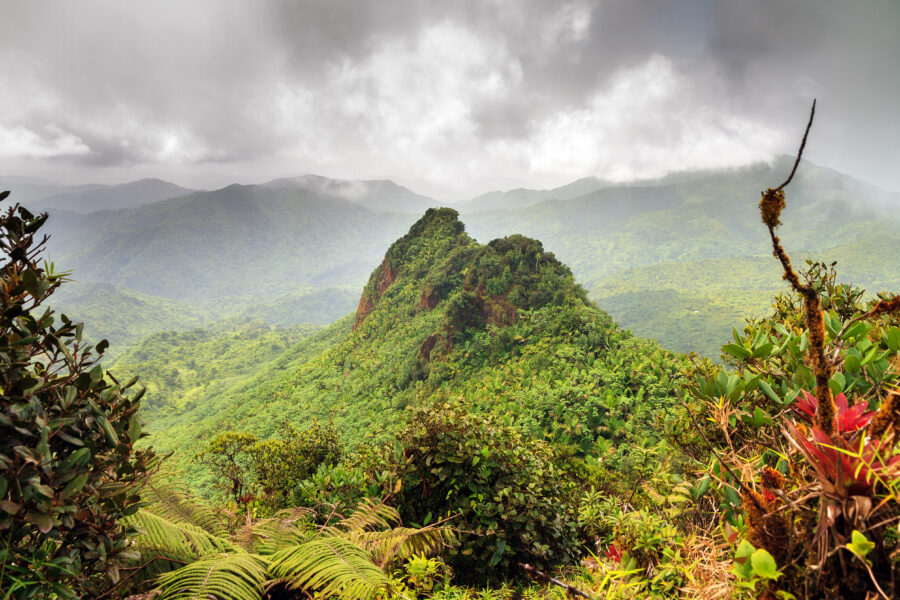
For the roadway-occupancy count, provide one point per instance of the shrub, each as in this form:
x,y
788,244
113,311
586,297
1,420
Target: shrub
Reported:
x,y
812,468
70,471
511,501
248,469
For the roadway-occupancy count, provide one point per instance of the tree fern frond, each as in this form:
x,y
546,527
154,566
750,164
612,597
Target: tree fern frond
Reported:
x,y
234,576
179,541
286,528
369,515
402,542
332,566
173,501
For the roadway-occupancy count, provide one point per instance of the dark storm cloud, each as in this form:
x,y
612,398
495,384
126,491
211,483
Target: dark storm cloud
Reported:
x,y
458,95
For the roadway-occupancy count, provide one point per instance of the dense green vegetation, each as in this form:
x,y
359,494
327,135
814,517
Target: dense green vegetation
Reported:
x,y
233,244
681,236
479,421
180,369
70,472
699,236
122,316
503,326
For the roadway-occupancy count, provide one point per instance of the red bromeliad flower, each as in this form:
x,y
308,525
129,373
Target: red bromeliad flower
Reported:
x,y
849,418
850,461
613,553
841,466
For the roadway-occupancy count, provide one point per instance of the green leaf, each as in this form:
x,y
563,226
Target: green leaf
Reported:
x,y
74,486
764,565
763,351
769,392
736,351
497,556
701,487
742,566
860,545
108,430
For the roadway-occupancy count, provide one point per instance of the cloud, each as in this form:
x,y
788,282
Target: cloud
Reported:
x,y
648,121
17,141
461,96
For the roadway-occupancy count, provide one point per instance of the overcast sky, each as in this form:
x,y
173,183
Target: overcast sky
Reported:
x,y
450,98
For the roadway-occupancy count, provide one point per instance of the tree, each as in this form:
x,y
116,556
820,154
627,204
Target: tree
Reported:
x,y
69,471
504,491
247,468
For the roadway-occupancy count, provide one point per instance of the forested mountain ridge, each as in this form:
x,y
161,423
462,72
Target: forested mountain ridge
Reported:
x,y
496,326
111,197
691,236
475,383
237,242
378,195
276,248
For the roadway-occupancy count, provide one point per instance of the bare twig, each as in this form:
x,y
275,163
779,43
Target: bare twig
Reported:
x,y
542,577
139,569
712,449
812,114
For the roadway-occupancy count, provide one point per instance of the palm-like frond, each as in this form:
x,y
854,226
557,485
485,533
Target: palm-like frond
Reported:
x,y
345,560
400,543
173,501
283,530
369,515
332,566
179,541
165,546
233,576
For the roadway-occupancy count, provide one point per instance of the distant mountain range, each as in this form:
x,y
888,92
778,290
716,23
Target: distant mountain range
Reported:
x,y
522,197
683,259
111,197
40,195
379,195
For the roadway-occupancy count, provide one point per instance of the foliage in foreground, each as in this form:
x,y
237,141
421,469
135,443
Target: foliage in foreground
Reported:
x,y
804,427
188,550
70,472
504,490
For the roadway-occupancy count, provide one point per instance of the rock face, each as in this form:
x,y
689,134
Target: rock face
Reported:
x,y
437,233
385,277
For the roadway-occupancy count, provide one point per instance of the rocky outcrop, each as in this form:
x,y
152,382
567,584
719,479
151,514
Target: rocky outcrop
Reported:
x,y
383,277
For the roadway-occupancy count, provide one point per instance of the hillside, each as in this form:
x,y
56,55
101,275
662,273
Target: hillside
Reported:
x,y
180,368
499,326
236,242
378,195
110,197
698,241
122,316
523,197
294,249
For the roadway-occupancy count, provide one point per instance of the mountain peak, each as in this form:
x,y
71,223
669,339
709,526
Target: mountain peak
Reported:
x,y
438,225
438,267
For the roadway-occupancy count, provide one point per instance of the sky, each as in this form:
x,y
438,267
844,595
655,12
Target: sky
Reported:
x,y
449,98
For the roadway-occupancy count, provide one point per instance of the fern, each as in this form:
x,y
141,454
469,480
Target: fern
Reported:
x,y
182,541
401,543
332,566
345,560
281,531
174,502
368,516
234,576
